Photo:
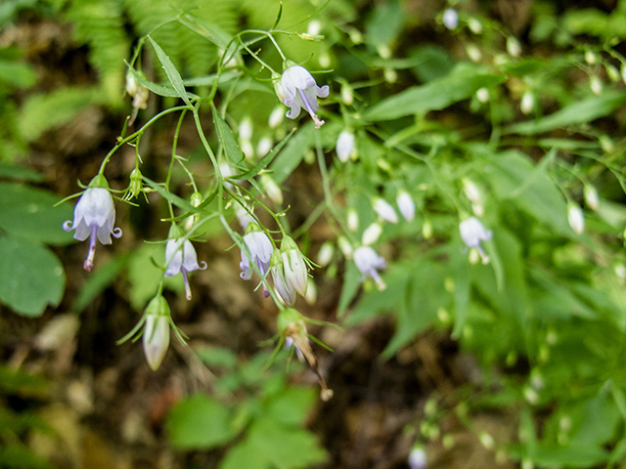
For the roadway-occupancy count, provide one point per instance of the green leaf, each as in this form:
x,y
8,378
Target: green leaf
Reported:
x,y
31,276
285,447
206,29
171,72
460,84
31,213
10,171
21,383
580,455
199,422
226,138
245,455
461,293
218,357
291,406
20,457
157,89
351,283
580,112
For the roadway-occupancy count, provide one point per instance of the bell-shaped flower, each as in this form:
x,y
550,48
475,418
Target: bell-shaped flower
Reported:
x,y
180,256
472,233
450,18
156,332
260,248
384,210
406,205
301,91
417,458
345,145
94,216
296,272
285,290
368,263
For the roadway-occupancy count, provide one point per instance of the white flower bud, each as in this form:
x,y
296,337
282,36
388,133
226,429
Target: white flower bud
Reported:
x,y
417,458
311,292
450,18
475,26
353,220
391,76
347,97
596,85
264,146
384,51
245,129
384,210
345,247
576,218
591,197
314,27
471,191
473,52
528,103
612,72
271,189
482,94
247,148
427,229
513,46
325,254
371,234
355,36
406,205
345,145
590,57
276,117
324,60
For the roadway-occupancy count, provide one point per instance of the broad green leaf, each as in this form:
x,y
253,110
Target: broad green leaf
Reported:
x,y
43,112
577,456
385,23
31,276
580,112
218,357
286,447
20,457
199,422
10,171
291,406
460,84
31,213
171,72
226,138
21,383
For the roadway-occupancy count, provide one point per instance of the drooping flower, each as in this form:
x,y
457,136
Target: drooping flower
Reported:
x,y
284,289
156,332
385,210
94,217
406,205
368,263
472,233
417,458
301,90
371,234
260,248
345,145
180,256
296,272
450,18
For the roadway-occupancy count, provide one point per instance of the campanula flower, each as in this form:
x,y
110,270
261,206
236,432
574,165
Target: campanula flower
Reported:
x,y
296,272
156,332
450,18
417,458
472,233
260,248
94,216
301,90
284,289
180,256
368,263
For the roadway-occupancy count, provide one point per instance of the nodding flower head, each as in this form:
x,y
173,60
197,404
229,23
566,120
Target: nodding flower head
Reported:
x,y
156,333
472,233
94,216
368,262
260,248
180,256
301,90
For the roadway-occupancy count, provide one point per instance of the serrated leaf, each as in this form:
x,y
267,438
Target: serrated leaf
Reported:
x,y
31,276
199,422
171,72
460,84
31,213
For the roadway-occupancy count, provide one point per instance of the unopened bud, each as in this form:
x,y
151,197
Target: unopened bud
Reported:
x,y
576,218
353,220
591,197
314,27
264,146
427,229
325,254
384,210
271,189
345,247
475,26
471,191
406,205
391,76
156,333
482,94
513,47
346,95
371,234
596,85
276,117
590,57
311,292
473,52
528,102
